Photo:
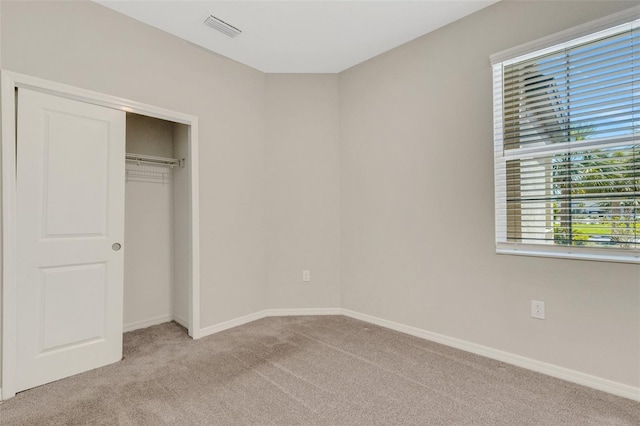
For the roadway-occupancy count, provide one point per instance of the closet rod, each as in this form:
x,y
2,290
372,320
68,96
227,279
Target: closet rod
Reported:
x,y
150,159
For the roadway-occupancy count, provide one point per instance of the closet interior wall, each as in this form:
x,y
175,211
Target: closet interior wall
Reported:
x,y
156,234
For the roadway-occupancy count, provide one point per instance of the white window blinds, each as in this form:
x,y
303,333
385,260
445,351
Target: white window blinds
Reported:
x,y
567,147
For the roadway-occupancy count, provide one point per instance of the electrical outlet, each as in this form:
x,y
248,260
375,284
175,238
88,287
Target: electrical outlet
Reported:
x,y
537,309
306,275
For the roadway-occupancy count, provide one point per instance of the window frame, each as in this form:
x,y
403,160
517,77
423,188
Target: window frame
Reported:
x,y
612,24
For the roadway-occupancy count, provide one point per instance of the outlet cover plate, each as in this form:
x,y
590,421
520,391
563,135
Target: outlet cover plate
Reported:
x,y
537,309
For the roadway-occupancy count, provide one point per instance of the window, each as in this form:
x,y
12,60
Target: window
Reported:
x,y
567,148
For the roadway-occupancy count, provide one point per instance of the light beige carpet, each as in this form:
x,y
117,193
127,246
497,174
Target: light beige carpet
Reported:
x,y
309,371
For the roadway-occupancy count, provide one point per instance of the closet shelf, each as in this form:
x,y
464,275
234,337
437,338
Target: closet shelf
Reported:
x,y
150,159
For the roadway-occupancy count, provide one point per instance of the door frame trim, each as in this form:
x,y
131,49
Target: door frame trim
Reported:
x,y
10,82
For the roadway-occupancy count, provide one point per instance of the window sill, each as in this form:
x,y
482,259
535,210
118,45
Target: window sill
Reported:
x,y
574,253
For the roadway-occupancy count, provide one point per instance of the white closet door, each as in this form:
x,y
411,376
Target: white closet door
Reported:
x,y
70,211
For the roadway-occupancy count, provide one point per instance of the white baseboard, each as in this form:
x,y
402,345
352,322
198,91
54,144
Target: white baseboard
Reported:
x,y
303,312
136,325
217,328
552,370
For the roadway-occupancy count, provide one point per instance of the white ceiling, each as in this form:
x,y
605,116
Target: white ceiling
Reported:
x,y
300,36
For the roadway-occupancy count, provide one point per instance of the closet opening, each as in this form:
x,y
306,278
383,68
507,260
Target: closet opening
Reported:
x,y
88,196
157,230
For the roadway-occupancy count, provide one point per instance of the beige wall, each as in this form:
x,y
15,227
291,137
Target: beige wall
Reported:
x,y
89,46
149,136
417,205
303,191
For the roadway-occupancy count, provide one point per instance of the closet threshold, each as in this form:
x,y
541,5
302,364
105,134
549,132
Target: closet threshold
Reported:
x,y
150,159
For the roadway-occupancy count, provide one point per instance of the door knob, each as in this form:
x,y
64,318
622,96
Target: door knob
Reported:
x,y
116,246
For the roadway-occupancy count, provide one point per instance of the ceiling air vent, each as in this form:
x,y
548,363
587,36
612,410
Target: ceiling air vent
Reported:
x,y
223,27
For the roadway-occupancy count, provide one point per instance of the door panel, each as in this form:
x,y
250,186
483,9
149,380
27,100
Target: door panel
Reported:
x,y
70,210
58,319
76,175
